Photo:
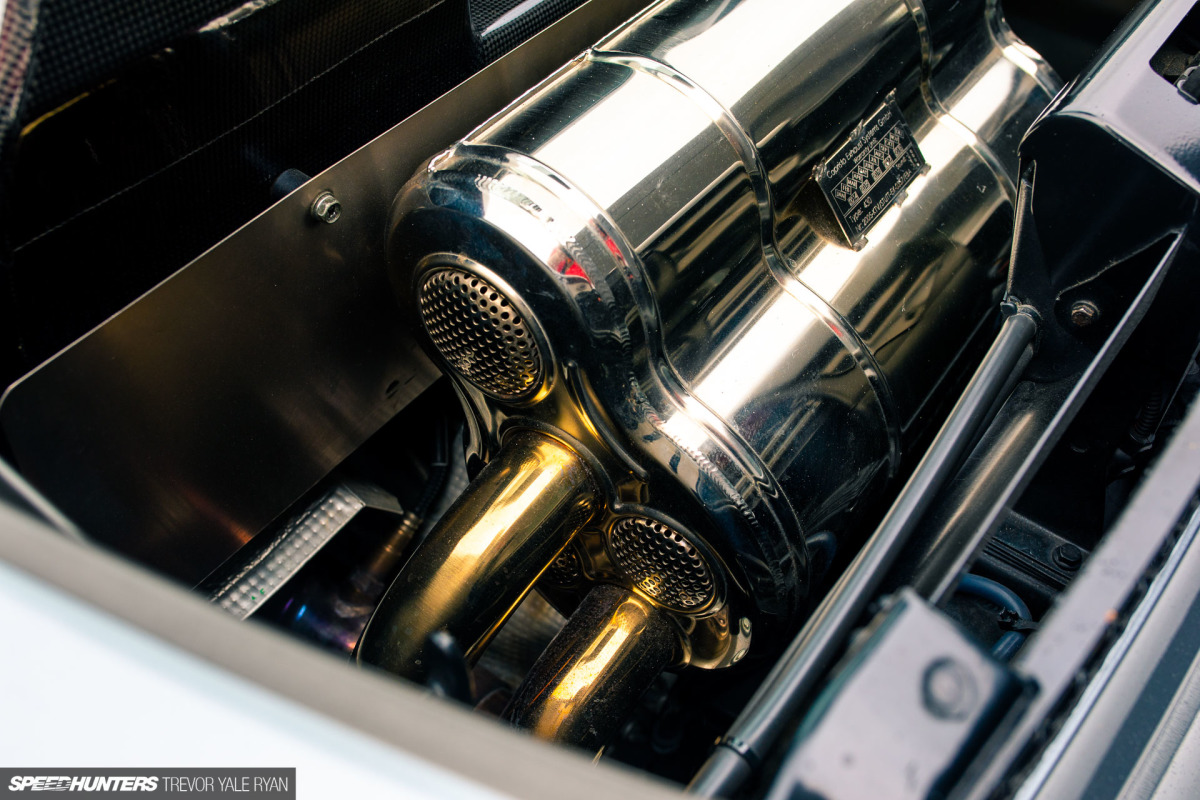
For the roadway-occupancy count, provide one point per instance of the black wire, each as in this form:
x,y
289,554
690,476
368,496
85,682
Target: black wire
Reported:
x,y
439,469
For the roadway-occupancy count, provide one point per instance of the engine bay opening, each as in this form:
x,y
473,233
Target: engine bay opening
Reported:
x,y
740,392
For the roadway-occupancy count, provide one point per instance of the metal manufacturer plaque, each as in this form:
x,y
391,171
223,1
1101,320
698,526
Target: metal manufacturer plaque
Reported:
x,y
869,172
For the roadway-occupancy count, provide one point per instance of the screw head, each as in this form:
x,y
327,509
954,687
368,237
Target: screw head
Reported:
x,y
1067,556
1084,313
744,623
326,208
949,691
738,656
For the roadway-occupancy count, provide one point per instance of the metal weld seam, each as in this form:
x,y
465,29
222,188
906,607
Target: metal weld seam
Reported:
x,y
747,152
920,17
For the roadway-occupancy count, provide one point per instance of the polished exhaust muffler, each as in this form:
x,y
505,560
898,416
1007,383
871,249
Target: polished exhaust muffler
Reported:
x,y
718,272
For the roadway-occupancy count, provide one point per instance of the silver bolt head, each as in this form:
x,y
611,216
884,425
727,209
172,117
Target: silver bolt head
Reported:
x,y
326,208
949,691
1084,313
745,625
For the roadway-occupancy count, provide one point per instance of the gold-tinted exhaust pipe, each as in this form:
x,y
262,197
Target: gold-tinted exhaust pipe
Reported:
x,y
484,555
582,688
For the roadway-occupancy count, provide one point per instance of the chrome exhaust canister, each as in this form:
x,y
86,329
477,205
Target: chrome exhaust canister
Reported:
x,y
730,256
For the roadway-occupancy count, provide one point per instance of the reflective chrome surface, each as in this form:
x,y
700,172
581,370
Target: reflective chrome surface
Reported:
x,y
737,370
583,686
484,554
184,425
250,579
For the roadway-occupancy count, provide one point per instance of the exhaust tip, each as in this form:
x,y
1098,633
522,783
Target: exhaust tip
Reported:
x,y
480,333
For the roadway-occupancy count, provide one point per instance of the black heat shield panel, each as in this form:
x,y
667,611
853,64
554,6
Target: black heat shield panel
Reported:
x,y
145,141
80,43
498,26
133,178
